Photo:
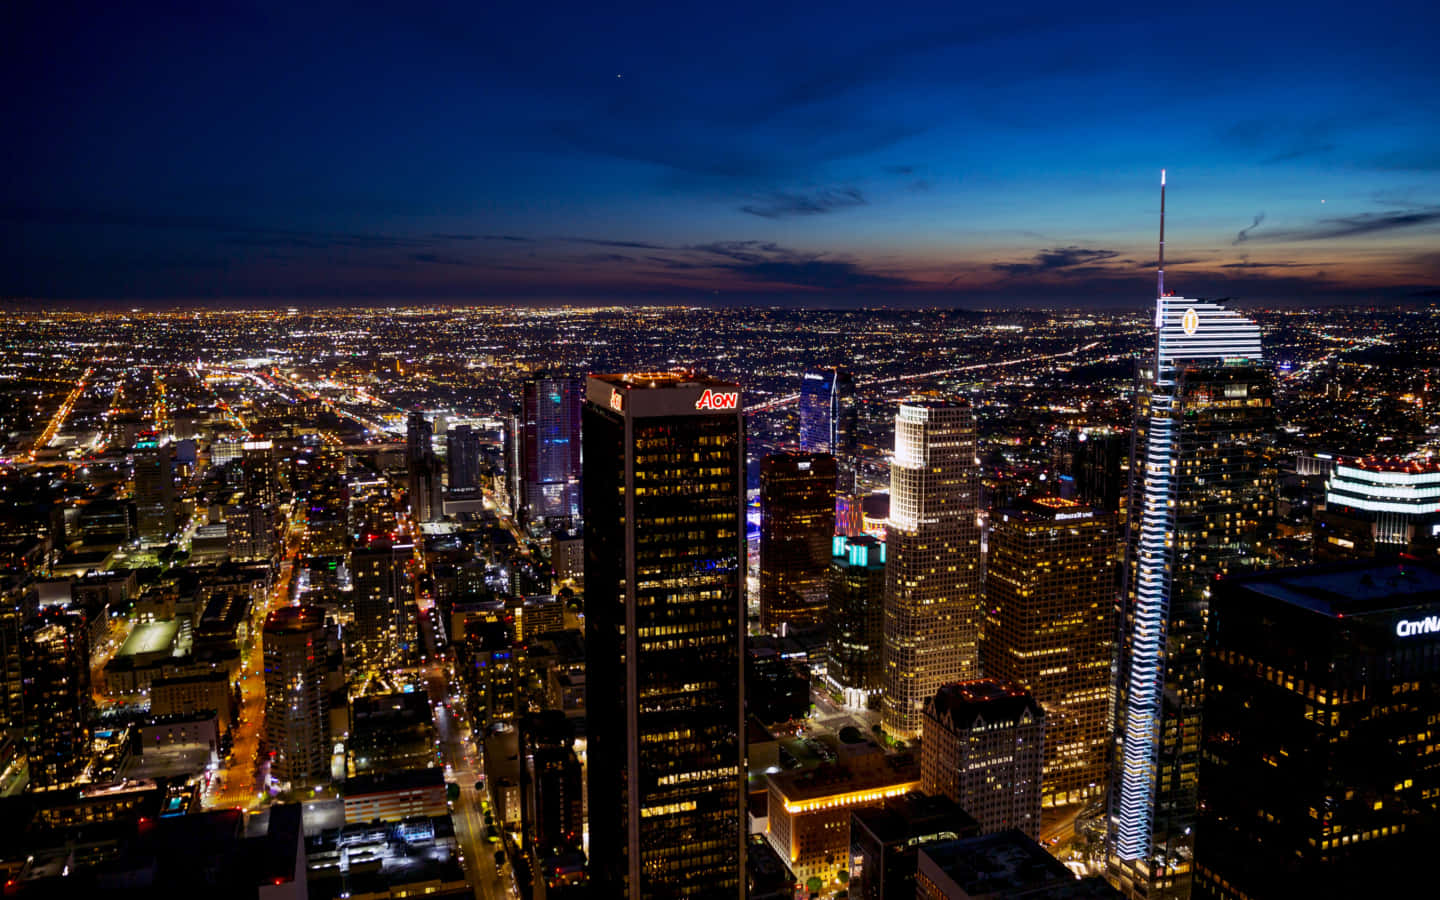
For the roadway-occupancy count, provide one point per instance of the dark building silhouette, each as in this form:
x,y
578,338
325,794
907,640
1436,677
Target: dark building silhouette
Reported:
x,y
1319,768
797,508
664,492
551,802
776,689
886,840
855,625
462,458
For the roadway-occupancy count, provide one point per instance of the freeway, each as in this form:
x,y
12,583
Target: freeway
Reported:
x,y
463,766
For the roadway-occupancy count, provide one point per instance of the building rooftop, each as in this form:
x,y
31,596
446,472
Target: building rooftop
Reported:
x,y
1007,864
1350,588
990,699
294,619
889,776
150,637
412,779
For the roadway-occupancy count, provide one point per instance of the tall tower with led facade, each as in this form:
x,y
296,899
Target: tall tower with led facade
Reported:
x,y
932,569
664,495
1200,494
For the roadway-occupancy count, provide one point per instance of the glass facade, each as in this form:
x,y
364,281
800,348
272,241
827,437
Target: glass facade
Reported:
x,y
797,508
856,622
1319,769
1200,496
664,558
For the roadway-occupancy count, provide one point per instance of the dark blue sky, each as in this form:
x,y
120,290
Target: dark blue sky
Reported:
x,y
831,153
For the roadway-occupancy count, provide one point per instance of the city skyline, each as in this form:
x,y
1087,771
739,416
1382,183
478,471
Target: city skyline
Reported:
x,y
923,157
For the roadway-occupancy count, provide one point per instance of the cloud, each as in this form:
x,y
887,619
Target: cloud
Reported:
x,y
438,259
632,245
815,273
1066,260
1247,264
1244,234
1359,225
781,205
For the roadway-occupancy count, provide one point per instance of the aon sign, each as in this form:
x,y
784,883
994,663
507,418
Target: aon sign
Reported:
x,y
718,400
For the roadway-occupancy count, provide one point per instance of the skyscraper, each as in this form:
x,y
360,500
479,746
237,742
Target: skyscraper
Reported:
x,y
549,451
984,749
384,625
664,493
425,489
797,509
551,805
154,490
1379,508
462,457
855,626
1200,492
1050,627
55,668
297,706
932,575
828,414
1320,774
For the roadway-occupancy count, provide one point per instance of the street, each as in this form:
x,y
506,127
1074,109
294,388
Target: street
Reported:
x,y
463,767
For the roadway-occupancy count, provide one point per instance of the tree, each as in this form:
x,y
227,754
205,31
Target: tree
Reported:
x,y
843,876
814,884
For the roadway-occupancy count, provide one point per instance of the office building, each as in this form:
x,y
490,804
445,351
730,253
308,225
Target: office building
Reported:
x,y
1004,866
1379,508
252,532
154,490
55,672
809,810
462,458
1050,627
886,840
260,478
932,575
829,421
1094,465
984,749
797,508
425,488
491,659
548,452
297,705
1320,767
385,627
855,626
664,496
552,811
1200,497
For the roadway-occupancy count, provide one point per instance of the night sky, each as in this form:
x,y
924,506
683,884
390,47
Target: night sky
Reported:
x,y
826,153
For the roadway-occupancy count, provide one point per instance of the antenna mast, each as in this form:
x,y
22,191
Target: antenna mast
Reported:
x,y
1160,277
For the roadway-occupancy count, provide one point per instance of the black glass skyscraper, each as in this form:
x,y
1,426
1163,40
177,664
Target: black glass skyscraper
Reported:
x,y
1319,766
797,508
664,492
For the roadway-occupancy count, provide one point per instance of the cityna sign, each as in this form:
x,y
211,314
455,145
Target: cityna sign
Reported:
x,y
1415,627
718,400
